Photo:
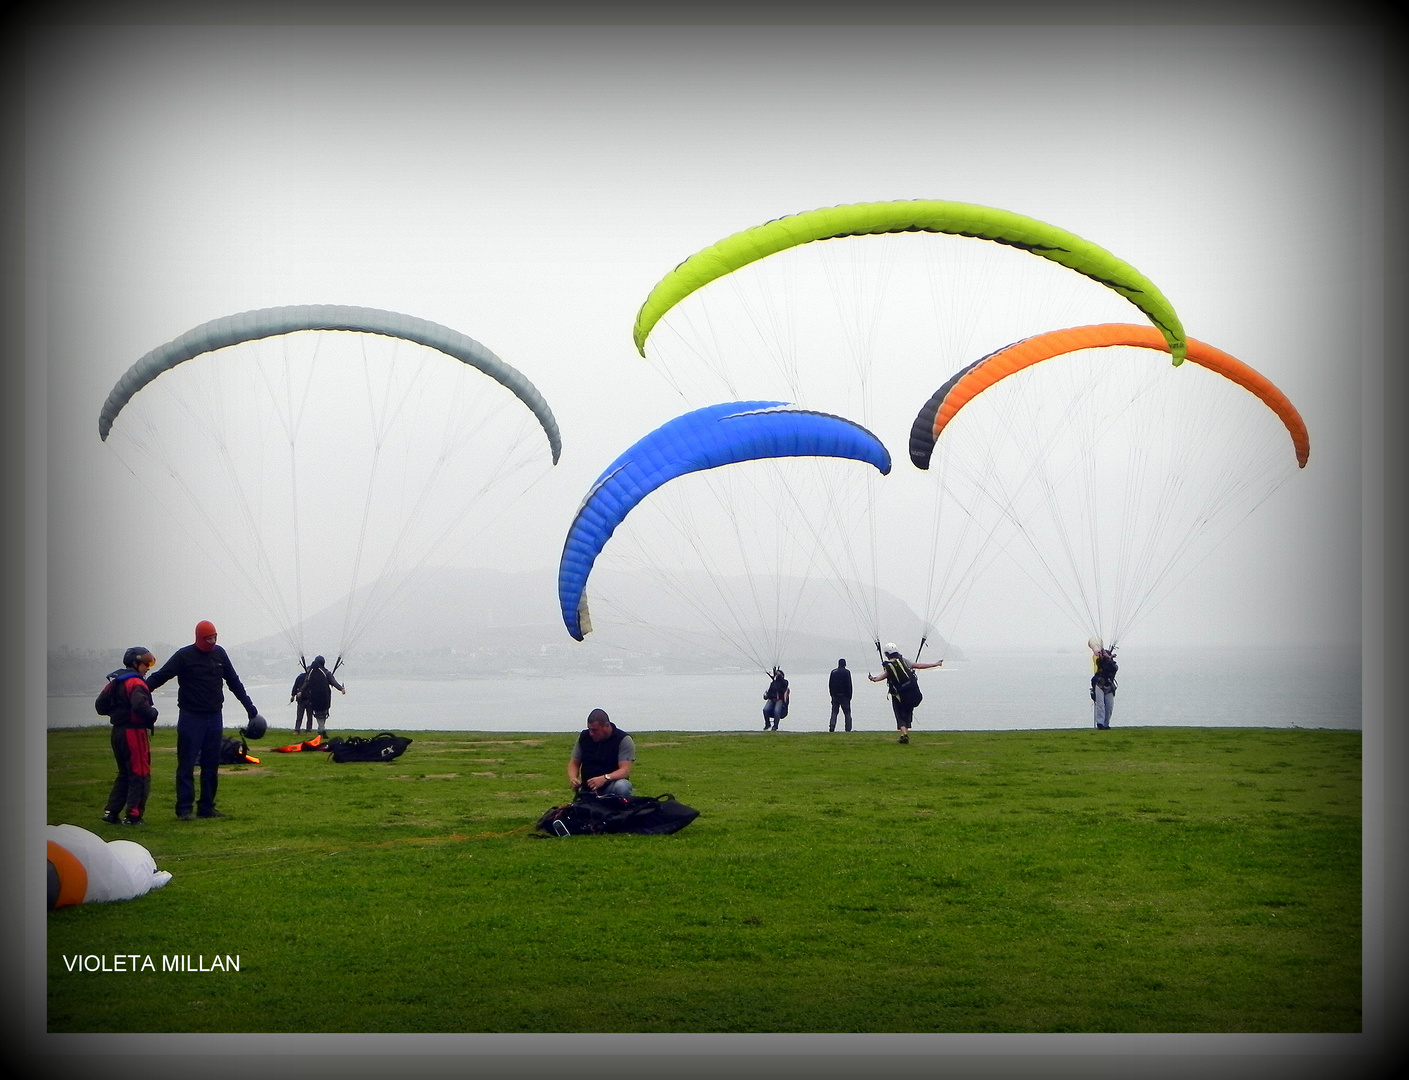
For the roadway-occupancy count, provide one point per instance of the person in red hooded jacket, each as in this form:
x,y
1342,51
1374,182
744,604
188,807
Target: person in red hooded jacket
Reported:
x,y
200,669
127,703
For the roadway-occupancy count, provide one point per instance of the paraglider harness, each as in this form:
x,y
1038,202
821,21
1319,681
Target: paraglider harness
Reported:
x,y
1106,668
590,814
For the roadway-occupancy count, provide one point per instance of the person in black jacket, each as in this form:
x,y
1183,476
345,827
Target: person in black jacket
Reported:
x,y
199,670
297,694
127,703
776,699
318,687
839,686
602,758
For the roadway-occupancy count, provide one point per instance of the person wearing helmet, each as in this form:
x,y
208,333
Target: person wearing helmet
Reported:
x,y
776,699
904,687
318,687
126,700
1103,683
199,669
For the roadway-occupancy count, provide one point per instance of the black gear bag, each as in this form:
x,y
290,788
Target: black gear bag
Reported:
x,y
383,747
592,814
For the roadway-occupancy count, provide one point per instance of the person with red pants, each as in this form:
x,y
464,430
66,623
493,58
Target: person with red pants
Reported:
x,y
200,669
127,702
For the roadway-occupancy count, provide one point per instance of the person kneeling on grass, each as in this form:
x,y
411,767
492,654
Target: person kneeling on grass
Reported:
x,y
602,758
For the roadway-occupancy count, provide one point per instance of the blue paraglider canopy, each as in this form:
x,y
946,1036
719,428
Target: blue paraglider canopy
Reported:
x,y
723,434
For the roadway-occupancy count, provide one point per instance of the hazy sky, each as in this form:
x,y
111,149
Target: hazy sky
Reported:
x,y
529,186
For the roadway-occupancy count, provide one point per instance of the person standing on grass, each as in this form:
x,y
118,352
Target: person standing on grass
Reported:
x,y
318,692
1103,682
904,688
297,695
839,686
199,670
127,703
602,758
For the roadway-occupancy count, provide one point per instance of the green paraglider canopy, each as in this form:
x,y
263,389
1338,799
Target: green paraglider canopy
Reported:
x,y
913,215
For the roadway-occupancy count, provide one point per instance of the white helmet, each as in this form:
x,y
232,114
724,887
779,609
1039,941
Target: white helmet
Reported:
x,y
892,649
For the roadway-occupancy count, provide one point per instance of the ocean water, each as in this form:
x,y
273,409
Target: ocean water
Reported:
x,y
993,690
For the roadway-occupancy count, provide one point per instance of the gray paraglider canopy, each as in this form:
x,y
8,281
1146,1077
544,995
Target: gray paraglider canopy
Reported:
x,y
271,322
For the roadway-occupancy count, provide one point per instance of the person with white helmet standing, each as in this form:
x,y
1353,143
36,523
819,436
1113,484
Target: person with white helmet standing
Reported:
x,y
903,686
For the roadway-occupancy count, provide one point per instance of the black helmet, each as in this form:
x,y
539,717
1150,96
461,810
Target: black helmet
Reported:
x,y
136,653
317,662
256,727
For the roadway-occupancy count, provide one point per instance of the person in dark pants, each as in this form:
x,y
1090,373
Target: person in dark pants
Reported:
x,y
839,685
602,758
899,674
199,669
318,690
297,694
127,703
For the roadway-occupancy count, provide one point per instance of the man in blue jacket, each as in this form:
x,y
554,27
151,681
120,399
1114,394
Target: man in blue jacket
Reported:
x,y
199,669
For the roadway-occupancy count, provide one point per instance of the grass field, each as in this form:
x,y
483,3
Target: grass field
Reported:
x,y
1138,880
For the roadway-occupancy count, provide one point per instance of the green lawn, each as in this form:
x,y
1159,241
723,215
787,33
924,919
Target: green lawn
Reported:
x,y
1141,880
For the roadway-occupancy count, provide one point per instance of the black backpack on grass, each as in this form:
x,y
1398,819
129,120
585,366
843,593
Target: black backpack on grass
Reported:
x,y
234,751
383,747
592,814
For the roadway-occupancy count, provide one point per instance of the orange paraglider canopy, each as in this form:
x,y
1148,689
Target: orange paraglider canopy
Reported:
x,y
73,878
996,366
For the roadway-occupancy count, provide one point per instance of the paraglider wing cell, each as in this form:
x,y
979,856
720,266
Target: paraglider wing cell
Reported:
x,y
707,438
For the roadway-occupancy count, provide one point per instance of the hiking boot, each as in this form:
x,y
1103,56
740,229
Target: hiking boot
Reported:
x,y
904,738
185,815
212,813
134,821
109,818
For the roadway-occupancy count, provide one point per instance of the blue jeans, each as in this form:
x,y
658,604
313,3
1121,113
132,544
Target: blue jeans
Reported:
x,y
198,736
1105,705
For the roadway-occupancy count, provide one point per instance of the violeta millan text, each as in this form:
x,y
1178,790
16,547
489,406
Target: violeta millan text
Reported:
x,y
133,962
